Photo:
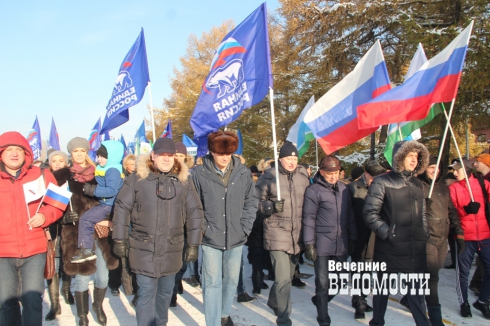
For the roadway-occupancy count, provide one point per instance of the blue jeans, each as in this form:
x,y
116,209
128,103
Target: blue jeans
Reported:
x,y
28,275
465,258
101,275
154,296
87,222
220,269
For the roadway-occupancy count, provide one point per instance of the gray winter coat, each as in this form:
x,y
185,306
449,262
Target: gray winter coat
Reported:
x,y
282,231
229,211
328,217
395,210
152,210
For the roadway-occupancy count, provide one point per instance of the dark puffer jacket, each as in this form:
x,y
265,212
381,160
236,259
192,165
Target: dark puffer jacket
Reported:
x,y
395,210
229,211
69,232
282,231
152,210
328,217
441,212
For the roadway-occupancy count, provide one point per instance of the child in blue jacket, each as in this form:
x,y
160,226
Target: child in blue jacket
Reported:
x,y
109,177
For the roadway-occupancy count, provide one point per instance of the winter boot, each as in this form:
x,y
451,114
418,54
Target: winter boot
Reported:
x,y
435,315
65,289
83,254
359,303
54,297
81,299
99,295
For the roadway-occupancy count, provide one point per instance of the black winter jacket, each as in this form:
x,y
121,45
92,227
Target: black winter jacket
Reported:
x,y
441,213
328,218
282,231
152,210
395,210
229,211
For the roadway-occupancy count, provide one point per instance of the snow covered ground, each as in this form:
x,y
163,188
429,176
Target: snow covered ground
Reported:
x,y
189,311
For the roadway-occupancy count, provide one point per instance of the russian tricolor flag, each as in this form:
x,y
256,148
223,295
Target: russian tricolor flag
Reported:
x,y
333,118
57,196
435,82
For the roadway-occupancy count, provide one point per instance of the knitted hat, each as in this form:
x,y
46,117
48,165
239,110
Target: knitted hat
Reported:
x,y
288,149
222,142
329,164
356,172
102,152
484,158
432,160
164,145
180,148
54,153
77,142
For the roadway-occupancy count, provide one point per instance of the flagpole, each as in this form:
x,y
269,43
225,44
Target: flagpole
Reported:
x,y
316,148
151,110
276,165
399,131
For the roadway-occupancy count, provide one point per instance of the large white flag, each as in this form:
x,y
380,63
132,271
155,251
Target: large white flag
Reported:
x,y
34,190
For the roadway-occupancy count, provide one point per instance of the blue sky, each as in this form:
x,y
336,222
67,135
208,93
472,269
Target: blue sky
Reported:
x,y
60,58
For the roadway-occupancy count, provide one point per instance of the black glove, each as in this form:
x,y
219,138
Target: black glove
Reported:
x,y
69,218
472,207
351,246
310,252
191,254
428,203
121,248
89,189
461,245
279,206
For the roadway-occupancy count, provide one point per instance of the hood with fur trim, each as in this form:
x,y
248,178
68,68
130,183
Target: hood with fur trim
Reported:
x,y
401,150
143,163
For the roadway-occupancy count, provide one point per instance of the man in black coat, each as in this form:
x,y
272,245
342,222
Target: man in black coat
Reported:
x,y
395,210
358,190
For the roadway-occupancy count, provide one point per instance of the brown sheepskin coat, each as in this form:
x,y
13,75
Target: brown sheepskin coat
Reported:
x,y
69,232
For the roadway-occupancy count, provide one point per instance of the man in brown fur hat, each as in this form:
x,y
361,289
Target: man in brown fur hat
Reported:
x,y
226,189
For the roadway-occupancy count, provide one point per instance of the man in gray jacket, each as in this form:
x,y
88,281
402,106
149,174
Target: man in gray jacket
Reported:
x,y
282,225
226,190
329,228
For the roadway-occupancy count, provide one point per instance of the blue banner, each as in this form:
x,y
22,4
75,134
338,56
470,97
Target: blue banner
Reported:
x,y
239,150
34,139
126,152
94,141
53,140
167,133
240,76
129,87
188,141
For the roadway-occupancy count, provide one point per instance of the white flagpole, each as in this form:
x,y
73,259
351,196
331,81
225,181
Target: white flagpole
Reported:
x,y
316,147
399,131
151,110
276,164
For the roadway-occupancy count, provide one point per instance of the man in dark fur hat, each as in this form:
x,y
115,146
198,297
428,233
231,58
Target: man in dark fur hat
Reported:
x,y
226,190
395,210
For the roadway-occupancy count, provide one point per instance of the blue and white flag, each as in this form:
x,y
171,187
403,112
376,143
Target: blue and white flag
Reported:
x,y
53,141
239,150
34,139
94,140
129,87
140,141
190,145
126,152
167,132
240,76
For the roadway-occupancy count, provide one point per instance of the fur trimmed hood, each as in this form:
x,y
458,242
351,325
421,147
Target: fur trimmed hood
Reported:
x,y
144,162
264,164
401,150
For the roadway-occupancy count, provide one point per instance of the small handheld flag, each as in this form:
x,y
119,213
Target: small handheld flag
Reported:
x,y
58,197
34,190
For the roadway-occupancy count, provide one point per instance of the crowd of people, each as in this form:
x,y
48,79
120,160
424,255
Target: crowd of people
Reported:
x,y
163,208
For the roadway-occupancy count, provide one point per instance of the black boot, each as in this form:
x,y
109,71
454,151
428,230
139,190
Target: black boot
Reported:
x,y
99,295
54,297
435,315
173,301
81,299
65,289
359,303
180,287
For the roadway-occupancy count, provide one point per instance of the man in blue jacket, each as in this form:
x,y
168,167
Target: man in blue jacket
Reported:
x,y
226,190
329,228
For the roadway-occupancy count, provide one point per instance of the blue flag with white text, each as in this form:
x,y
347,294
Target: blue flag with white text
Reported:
x,y
34,139
129,87
53,140
94,140
240,76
